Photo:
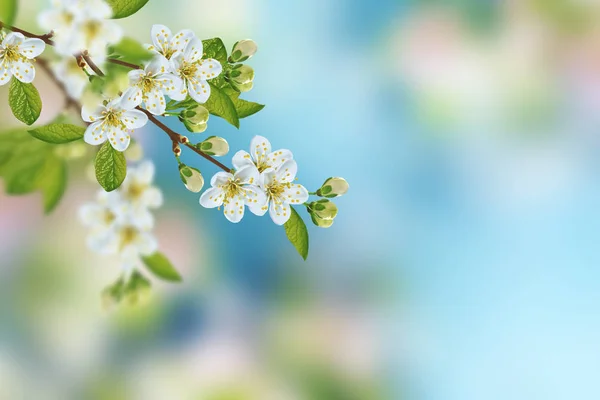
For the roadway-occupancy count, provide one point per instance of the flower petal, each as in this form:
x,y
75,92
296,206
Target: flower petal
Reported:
x,y
260,147
161,36
287,171
23,70
242,159
158,65
279,211
13,39
247,176
295,194
31,48
135,76
234,209
146,244
209,68
92,115
94,134
131,98
278,157
5,74
255,197
119,138
220,178
182,38
144,173
199,90
134,119
155,101
212,197
152,198
172,86
193,50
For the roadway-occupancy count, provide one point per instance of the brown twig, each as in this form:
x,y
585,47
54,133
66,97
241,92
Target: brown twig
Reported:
x,y
91,64
45,38
123,63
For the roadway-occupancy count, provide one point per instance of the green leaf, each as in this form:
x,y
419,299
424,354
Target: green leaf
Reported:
x,y
111,167
297,233
24,175
125,8
58,133
8,11
215,48
244,108
131,51
25,102
221,105
53,182
160,266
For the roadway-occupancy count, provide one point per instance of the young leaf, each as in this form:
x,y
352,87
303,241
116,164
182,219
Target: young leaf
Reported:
x,y
58,133
131,51
215,48
244,108
52,182
111,167
221,105
297,233
8,11
160,266
24,100
125,8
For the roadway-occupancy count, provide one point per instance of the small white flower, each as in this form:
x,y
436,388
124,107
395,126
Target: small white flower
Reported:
x,y
15,54
164,43
234,191
81,25
194,71
281,192
261,155
150,85
114,121
140,195
101,217
68,71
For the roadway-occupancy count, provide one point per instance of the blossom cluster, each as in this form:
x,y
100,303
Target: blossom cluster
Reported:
x,y
263,181
17,55
121,221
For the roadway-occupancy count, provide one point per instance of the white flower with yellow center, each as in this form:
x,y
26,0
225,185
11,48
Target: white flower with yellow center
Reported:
x,y
140,195
114,121
149,86
74,79
16,53
233,192
261,155
101,217
194,71
281,192
80,25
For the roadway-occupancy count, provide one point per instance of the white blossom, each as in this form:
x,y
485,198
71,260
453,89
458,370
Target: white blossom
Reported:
x,y
165,44
140,194
114,121
16,55
149,86
74,79
101,217
233,192
281,192
261,155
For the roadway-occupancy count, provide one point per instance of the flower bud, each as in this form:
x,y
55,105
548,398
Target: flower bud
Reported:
x,y
323,209
242,75
195,120
333,187
321,223
243,50
214,146
191,178
137,290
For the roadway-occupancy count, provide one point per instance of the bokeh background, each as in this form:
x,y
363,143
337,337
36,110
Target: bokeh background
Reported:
x,y
463,264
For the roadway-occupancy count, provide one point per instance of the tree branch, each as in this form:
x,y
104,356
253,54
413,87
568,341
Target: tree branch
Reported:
x,y
176,138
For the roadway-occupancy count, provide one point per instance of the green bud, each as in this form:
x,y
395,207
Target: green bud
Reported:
x,y
195,120
243,50
323,209
191,178
246,87
321,223
242,75
333,187
137,289
214,146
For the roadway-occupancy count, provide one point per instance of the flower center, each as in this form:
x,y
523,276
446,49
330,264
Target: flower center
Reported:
x,y
276,189
113,118
128,236
135,191
109,217
92,28
232,188
188,70
11,53
147,83
168,52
